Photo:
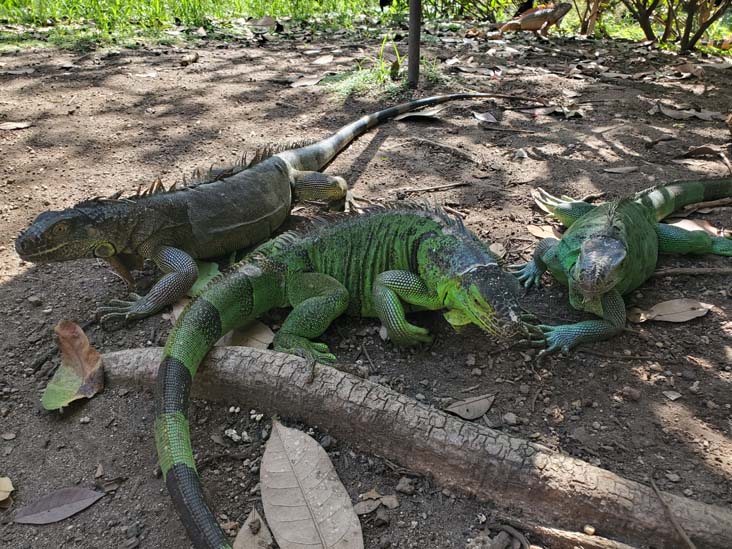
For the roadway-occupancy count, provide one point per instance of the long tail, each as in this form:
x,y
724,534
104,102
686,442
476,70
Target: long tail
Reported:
x,y
317,156
666,199
219,309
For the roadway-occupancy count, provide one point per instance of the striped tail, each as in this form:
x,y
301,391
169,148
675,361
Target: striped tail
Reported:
x,y
219,309
666,199
317,156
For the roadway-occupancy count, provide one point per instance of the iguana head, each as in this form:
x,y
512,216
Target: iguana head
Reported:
x,y
73,233
599,266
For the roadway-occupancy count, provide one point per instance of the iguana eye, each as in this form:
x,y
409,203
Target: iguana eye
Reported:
x,y
59,228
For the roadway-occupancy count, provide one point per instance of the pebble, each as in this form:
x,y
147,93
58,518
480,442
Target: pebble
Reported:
x,y
8,436
419,396
84,420
132,531
382,517
35,300
673,477
327,442
524,389
132,543
470,360
384,543
694,388
476,372
631,393
588,529
406,486
510,419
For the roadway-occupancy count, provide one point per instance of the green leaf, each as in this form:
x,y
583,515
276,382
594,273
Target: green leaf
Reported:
x,y
206,272
80,375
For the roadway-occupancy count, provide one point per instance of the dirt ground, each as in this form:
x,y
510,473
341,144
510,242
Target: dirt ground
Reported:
x,y
115,120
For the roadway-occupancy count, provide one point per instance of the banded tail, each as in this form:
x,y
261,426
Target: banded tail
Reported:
x,y
218,310
666,199
317,156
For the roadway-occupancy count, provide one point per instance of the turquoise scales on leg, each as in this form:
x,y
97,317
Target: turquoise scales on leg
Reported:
x,y
610,249
364,265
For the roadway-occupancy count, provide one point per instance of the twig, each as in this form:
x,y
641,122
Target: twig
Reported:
x,y
372,368
708,204
409,190
617,357
651,144
592,196
502,129
677,526
447,148
693,271
453,211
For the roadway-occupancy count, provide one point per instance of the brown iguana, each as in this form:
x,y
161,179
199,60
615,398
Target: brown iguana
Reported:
x,y
538,19
228,210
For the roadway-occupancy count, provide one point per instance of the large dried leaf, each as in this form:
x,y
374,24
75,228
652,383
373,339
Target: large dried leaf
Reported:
x,y
80,375
676,114
254,534
621,169
472,408
57,505
307,81
424,114
323,60
256,335
304,501
485,117
675,310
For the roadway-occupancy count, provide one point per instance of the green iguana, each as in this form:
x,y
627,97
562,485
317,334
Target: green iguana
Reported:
x,y
368,265
227,210
538,19
611,249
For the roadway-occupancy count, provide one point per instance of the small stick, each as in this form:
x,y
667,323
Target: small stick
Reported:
x,y
708,204
591,196
658,140
372,368
447,148
617,357
502,129
677,526
409,190
693,271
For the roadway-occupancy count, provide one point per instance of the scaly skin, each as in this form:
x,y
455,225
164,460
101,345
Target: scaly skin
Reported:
x,y
538,19
371,265
227,210
611,249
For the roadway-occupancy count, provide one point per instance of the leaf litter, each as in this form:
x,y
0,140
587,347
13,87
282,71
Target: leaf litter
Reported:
x,y
674,310
57,505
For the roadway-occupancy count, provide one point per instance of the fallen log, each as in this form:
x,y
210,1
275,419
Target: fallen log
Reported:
x,y
537,484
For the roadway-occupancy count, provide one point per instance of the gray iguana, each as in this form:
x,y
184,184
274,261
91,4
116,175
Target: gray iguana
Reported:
x,y
227,210
611,249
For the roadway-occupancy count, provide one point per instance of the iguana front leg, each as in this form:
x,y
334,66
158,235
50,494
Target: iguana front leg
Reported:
x,y
181,273
317,300
389,289
529,274
566,336
676,240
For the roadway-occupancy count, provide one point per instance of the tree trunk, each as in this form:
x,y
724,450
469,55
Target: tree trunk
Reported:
x,y
415,27
539,485
593,18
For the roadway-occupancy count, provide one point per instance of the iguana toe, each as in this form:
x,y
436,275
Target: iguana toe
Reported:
x,y
410,336
528,274
303,347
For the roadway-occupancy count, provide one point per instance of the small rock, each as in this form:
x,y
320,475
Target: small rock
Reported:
x,y
694,388
510,418
366,506
588,529
672,395
390,502
477,372
419,396
35,300
673,477
8,436
524,389
132,531
382,517
688,492
631,393
232,434
132,543
327,442
470,360
384,543
711,405
47,311
84,420
406,486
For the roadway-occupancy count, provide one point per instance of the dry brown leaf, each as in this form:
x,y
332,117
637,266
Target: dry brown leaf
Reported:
x,y
366,506
485,117
6,488
256,335
701,225
305,503
81,374
676,114
621,169
498,249
544,231
323,60
472,408
253,534
307,81
702,151
57,505
675,310
15,125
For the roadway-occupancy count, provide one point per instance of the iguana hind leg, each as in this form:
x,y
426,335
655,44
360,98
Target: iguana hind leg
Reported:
x,y
181,273
389,289
566,336
673,239
317,300
566,209
319,187
529,274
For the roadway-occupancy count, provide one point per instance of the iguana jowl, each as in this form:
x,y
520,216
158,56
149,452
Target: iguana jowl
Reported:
x,y
226,211
611,249
369,265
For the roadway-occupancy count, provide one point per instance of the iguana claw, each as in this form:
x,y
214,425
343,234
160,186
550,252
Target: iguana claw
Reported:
x,y
303,347
527,273
119,309
558,338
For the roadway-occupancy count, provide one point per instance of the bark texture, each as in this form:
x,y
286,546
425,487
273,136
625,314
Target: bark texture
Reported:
x,y
548,488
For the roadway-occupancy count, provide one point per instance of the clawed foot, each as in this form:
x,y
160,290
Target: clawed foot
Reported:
x,y
528,274
351,203
410,336
119,309
532,336
303,347
558,338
